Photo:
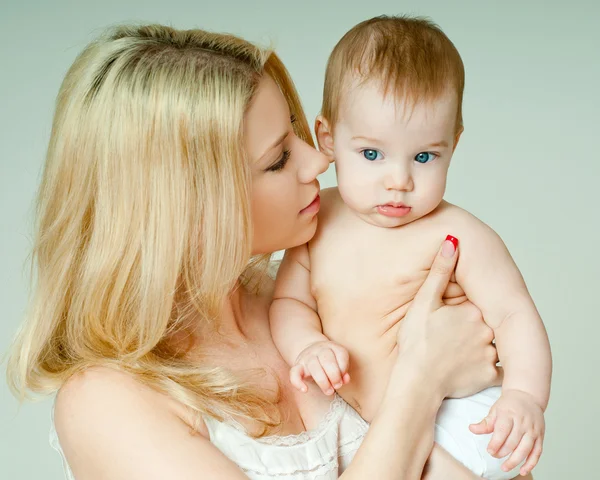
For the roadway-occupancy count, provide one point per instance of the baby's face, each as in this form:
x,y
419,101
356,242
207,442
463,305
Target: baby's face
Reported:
x,y
391,160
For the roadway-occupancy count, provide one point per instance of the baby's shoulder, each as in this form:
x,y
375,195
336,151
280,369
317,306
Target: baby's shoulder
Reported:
x,y
477,239
454,218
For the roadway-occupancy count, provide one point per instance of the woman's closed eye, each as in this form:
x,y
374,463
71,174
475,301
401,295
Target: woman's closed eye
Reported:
x,y
280,164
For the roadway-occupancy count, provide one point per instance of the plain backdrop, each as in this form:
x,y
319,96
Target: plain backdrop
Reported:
x,y
528,163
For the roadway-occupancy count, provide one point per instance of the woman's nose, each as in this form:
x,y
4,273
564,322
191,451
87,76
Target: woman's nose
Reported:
x,y
313,164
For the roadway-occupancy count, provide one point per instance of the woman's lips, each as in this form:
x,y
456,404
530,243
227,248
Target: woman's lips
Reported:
x,y
313,207
393,211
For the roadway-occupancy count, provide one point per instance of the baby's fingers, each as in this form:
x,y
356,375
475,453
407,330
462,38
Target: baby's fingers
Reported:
x,y
296,376
520,453
484,427
513,440
533,458
502,429
343,361
319,376
330,365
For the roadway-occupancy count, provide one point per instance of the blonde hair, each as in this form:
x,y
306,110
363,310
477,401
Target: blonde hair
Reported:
x,y
410,57
131,241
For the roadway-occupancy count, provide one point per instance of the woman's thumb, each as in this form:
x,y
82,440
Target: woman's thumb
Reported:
x,y
435,284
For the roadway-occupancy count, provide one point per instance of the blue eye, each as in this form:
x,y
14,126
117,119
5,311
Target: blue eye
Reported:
x,y
371,155
425,157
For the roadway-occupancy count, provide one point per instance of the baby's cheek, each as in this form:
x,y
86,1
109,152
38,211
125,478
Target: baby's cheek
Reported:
x,y
431,196
357,194
358,183
439,188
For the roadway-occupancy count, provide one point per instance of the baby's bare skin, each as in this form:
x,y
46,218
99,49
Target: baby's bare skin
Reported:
x,y
339,299
364,287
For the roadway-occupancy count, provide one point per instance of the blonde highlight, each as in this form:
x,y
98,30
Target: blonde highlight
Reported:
x,y
131,242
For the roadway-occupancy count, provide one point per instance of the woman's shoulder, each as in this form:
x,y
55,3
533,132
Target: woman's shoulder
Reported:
x,y
96,386
110,425
106,400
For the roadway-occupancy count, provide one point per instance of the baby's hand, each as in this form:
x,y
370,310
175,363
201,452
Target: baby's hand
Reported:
x,y
327,364
518,425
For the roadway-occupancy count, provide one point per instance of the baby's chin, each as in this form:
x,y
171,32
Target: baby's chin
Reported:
x,y
377,219
387,222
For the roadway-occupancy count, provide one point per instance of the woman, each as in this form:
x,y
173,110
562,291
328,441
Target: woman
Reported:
x,y
178,161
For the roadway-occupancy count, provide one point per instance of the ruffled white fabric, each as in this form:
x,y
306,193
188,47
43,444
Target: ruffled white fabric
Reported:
x,y
322,453
325,452
319,454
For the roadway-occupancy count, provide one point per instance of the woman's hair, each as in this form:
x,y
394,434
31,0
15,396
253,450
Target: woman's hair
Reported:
x,y
136,233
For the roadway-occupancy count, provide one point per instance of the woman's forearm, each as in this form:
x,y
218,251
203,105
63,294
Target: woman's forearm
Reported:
x,y
400,437
442,466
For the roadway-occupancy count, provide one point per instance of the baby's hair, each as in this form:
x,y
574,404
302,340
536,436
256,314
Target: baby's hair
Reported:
x,y
409,57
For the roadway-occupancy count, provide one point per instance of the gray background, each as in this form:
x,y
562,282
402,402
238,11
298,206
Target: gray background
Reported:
x,y
528,163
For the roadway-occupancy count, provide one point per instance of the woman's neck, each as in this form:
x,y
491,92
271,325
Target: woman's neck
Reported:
x,y
243,320
233,319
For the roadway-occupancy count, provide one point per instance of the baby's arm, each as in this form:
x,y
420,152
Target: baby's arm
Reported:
x,y
296,327
492,281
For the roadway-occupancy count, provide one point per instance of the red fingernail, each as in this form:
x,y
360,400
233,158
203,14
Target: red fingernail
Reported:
x,y
449,246
454,241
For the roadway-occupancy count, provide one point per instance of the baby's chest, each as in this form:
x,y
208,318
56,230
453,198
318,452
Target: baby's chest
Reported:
x,y
383,269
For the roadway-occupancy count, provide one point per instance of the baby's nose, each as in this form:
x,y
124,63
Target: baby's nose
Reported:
x,y
399,178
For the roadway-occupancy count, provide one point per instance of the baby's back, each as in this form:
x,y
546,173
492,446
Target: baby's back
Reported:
x,y
364,279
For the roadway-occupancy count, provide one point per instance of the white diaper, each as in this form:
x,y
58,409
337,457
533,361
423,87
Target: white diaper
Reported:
x,y
453,434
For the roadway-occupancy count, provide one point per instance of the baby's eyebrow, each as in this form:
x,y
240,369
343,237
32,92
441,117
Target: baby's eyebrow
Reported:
x,y
441,143
368,139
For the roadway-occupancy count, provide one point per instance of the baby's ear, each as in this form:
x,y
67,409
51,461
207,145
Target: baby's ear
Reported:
x,y
324,136
457,138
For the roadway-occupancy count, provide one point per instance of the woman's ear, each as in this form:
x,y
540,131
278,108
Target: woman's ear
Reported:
x,y
324,136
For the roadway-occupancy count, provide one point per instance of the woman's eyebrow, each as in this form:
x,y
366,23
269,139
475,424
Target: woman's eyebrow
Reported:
x,y
280,139
276,143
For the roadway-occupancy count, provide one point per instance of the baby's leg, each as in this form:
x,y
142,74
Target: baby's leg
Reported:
x,y
453,434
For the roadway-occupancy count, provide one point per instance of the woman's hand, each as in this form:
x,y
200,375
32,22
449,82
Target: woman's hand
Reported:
x,y
443,351
450,345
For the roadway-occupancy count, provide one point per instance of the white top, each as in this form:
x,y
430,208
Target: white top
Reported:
x,y
325,452
319,454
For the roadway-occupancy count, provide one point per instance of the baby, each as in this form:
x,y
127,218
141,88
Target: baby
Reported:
x,y
391,120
